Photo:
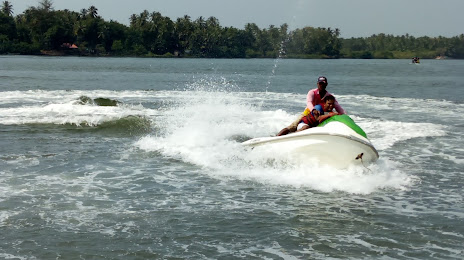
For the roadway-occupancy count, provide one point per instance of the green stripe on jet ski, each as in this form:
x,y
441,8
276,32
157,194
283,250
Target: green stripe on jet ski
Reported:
x,y
347,121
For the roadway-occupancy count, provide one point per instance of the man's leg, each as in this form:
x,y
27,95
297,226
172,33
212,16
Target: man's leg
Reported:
x,y
292,127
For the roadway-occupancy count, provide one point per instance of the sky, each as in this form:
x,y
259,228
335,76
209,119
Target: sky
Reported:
x,y
354,18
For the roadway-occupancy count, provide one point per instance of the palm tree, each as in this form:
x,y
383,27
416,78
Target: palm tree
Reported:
x,y
200,22
133,20
102,32
183,29
143,18
46,5
83,13
79,30
155,17
7,8
93,12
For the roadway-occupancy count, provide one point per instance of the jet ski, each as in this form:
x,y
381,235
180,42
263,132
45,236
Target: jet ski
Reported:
x,y
338,141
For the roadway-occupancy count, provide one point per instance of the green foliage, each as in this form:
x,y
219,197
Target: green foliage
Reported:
x,y
315,41
100,49
383,55
139,50
7,26
117,47
154,35
5,44
402,47
456,48
26,48
7,8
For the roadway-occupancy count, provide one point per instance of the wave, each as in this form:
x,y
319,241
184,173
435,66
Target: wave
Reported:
x,y
44,109
204,126
129,125
132,125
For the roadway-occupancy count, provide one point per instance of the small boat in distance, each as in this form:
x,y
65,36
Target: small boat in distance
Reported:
x,y
416,60
338,142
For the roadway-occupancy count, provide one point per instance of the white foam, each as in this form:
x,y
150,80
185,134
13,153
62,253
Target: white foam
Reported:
x,y
384,133
10,256
199,132
62,107
403,108
204,125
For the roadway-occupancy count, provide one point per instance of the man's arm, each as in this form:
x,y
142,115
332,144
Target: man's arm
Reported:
x,y
325,116
310,100
338,108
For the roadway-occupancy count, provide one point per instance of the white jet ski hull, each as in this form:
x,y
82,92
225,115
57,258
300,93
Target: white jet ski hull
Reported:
x,y
334,144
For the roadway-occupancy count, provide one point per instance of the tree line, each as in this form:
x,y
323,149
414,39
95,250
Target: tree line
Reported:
x,y
43,30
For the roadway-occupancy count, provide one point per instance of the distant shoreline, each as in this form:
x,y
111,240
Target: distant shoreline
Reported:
x,y
64,54
43,30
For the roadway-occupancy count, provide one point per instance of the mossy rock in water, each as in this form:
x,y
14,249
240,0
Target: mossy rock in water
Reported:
x,y
106,102
83,100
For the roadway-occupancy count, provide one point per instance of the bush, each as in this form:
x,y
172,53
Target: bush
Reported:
x,y
117,47
383,55
139,50
25,48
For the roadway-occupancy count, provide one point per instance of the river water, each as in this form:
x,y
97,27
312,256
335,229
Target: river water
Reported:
x,y
132,158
